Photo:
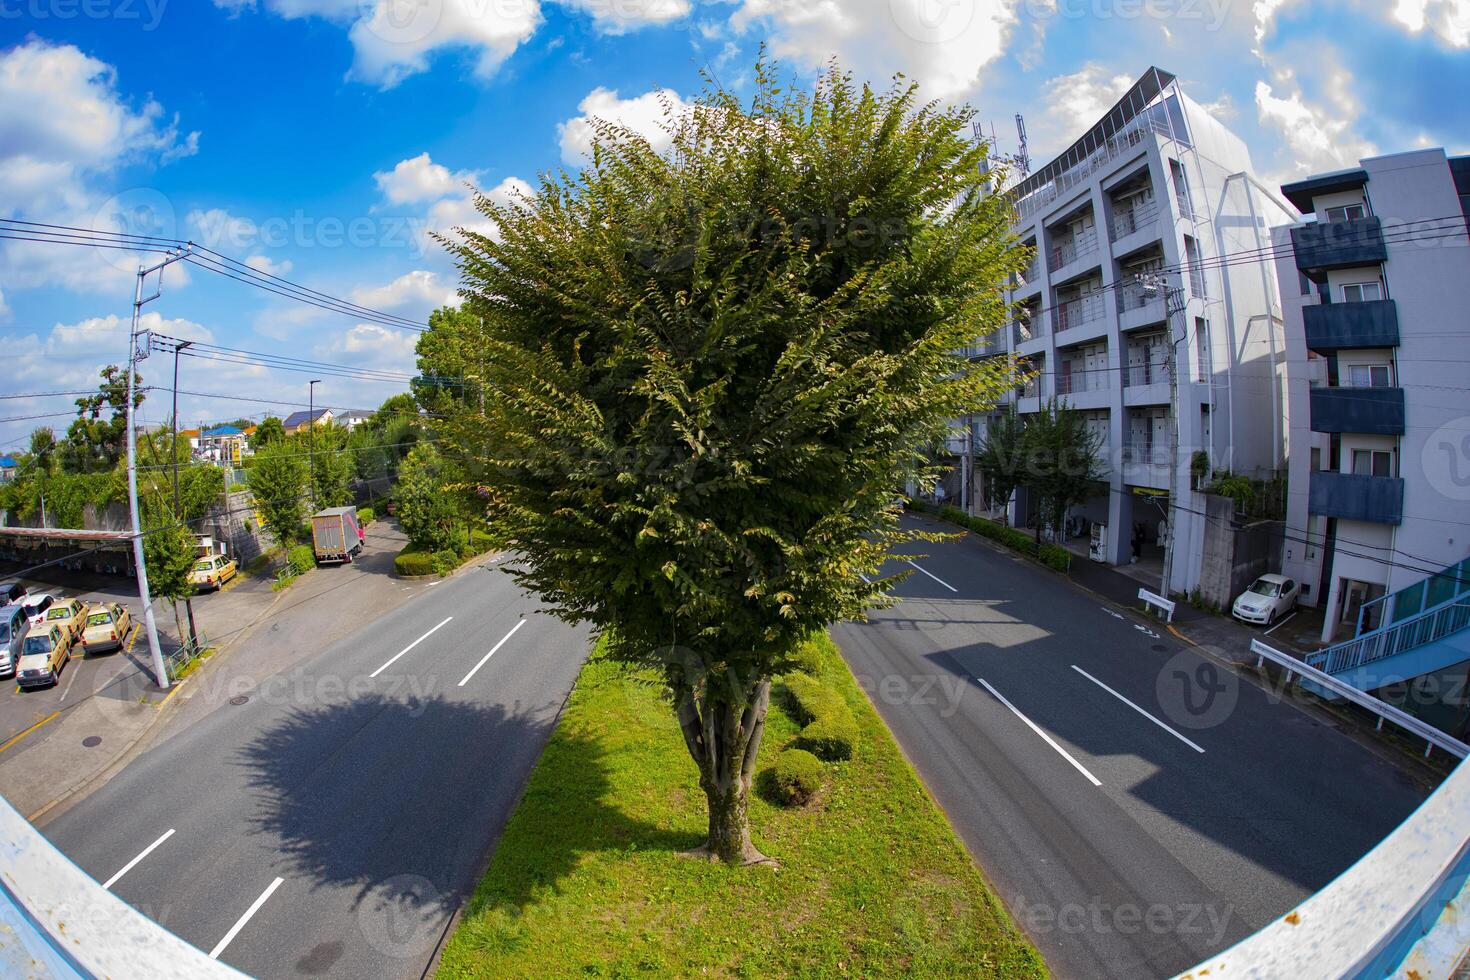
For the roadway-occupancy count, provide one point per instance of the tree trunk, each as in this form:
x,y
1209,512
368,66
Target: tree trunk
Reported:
x,y
722,730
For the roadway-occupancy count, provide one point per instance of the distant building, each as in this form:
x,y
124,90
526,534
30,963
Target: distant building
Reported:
x,y
299,421
352,419
1374,287
7,468
193,436
225,444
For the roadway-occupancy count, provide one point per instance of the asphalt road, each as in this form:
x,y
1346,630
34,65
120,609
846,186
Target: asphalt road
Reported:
x,y
331,823
1136,806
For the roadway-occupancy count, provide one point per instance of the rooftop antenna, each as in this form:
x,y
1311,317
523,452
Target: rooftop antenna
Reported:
x,y
1022,158
978,129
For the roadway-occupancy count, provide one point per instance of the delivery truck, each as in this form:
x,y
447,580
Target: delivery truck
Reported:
x,y
336,535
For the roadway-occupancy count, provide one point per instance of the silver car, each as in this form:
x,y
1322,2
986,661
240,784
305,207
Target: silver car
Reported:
x,y
14,625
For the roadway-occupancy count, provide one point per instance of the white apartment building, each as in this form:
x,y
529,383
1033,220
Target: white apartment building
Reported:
x,y
1375,286
1157,187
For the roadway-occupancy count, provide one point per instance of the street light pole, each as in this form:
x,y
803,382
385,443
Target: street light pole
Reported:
x,y
311,438
178,511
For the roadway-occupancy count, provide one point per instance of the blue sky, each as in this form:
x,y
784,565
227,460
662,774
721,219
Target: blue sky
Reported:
x,y
322,139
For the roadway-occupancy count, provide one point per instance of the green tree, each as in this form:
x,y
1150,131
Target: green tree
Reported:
x,y
1062,463
268,431
331,464
1001,457
278,481
169,551
98,438
706,370
433,509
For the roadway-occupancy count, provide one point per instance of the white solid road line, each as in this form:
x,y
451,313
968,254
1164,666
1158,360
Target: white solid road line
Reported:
x,y
400,653
934,577
487,656
1045,737
1280,624
131,864
219,947
865,578
1137,708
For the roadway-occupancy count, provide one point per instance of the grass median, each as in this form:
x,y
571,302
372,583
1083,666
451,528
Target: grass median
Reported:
x,y
586,880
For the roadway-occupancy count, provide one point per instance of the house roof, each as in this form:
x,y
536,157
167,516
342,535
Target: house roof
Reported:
x,y
353,414
7,461
188,433
1301,193
223,430
301,418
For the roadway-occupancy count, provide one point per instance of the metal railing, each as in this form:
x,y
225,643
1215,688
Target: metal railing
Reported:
x,y
1411,634
1027,328
1075,380
1133,295
1145,451
1070,251
1120,143
1083,309
176,660
1384,710
1133,219
1150,372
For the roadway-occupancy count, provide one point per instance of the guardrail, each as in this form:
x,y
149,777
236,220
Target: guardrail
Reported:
x,y
1151,599
1385,711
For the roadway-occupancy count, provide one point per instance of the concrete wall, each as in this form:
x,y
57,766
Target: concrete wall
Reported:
x,y
1233,557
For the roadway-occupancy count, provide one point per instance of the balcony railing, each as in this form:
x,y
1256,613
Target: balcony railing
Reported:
x,y
1133,219
1355,497
1132,295
1074,380
1146,451
1027,328
1371,411
1351,326
1067,252
1030,275
1120,143
1323,246
1149,372
1076,312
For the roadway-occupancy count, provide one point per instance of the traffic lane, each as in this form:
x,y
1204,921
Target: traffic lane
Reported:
x,y
1077,874
317,754
1284,789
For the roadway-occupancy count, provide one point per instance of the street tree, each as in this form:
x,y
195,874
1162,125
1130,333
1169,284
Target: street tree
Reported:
x,y
331,464
278,481
1002,457
708,369
433,509
268,431
169,553
1062,463
97,439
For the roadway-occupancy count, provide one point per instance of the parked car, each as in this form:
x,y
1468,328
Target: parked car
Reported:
x,y
12,593
36,607
14,625
44,656
107,627
70,615
1267,598
212,572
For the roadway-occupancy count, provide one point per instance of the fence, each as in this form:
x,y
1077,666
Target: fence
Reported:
x,y
177,661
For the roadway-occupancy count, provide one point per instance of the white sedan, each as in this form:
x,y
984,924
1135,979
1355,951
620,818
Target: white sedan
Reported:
x,y
1267,598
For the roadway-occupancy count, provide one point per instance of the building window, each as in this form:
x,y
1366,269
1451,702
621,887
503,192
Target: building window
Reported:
x,y
1370,376
1204,356
1362,292
1348,212
1372,462
1316,459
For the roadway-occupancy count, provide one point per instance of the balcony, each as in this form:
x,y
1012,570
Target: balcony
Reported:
x,y
1027,328
1131,221
1371,411
1351,326
1073,379
1066,252
1029,278
1323,246
1075,312
1348,496
987,346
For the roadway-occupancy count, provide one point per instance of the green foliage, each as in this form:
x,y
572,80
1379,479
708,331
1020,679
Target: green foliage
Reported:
x,y
366,515
169,551
331,464
1062,464
1053,556
706,369
432,510
301,558
808,658
810,698
414,563
794,779
1237,488
98,438
830,737
1001,457
278,482
481,541
445,561
829,731
1199,466
268,431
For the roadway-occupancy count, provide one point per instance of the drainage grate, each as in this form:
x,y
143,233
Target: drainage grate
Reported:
x,y
239,699
92,741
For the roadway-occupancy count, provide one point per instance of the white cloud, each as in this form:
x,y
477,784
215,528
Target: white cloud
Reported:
x,y
264,263
1450,19
942,44
218,229
413,294
1265,12
1074,102
622,16
643,114
1316,137
369,345
420,179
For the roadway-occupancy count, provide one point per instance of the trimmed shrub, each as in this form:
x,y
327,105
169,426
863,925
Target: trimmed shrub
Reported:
x,y
812,699
414,563
794,779
480,542
830,737
445,561
301,559
807,658
1050,555
365,516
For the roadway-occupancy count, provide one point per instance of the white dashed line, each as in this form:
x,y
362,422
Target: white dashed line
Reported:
x,y
935,577
133,863
1137,708
393,659
1045,737
240,923
487,656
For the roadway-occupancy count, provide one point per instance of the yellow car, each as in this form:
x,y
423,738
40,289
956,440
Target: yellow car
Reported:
x,y
212,572
70,615
107,627
44,656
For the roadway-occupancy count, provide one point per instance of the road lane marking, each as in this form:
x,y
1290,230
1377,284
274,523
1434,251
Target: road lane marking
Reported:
x,y
1045,737
1281,624
20,735
934,577
1137,708
487,656
394,659
240,923
865,578
131,864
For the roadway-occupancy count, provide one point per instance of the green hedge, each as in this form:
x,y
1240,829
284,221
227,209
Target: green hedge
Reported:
x,y
414,563
480,542
794,779
1051,555
830,729
301,558
366,515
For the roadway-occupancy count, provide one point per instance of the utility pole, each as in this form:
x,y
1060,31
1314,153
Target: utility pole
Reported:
x,y
1155,283
160,671
178,511
311,439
